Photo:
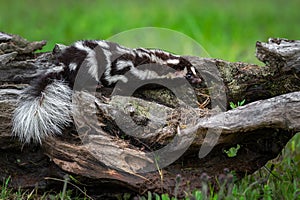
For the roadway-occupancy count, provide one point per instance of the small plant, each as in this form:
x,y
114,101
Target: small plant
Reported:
x,y
125,196
4,189
239,103
198,195
232,152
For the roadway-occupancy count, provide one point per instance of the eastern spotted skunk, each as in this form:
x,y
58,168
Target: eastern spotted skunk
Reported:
x,y
44,107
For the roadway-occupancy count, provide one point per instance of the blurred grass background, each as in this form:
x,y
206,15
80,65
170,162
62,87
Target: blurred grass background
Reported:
x,y
226,29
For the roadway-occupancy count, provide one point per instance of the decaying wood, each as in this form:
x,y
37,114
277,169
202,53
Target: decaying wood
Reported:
x,y
100,155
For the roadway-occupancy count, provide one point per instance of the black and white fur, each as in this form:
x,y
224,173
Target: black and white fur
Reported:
x,y
44,107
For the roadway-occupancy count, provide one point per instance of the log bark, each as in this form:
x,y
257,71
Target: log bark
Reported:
x,y
105,159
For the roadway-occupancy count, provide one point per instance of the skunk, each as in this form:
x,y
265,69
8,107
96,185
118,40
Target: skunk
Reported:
x,y
44,108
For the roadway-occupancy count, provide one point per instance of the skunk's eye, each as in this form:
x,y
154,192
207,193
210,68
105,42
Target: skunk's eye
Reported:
x,y
188,76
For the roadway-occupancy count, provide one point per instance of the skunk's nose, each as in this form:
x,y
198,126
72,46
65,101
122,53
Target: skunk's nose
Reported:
x,y
196,80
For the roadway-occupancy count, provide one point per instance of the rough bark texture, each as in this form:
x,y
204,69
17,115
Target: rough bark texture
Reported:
x,y
105,159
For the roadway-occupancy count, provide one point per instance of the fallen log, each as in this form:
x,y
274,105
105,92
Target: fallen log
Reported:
x,y
176,139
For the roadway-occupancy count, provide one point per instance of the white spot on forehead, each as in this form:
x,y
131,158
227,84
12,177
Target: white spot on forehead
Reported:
x,y
193,70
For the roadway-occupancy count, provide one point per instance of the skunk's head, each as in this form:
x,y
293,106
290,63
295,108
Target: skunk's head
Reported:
x,y
192,76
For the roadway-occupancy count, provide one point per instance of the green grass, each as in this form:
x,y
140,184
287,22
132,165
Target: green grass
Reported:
x,y
226,29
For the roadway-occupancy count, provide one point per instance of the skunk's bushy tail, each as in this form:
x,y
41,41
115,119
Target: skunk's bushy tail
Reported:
x,y
43,110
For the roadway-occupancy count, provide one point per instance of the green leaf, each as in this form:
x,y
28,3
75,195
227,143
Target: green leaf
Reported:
x,y
232,105
165,197
232,152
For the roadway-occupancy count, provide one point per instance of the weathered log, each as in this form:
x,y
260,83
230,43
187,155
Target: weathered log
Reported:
x,y
98,152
